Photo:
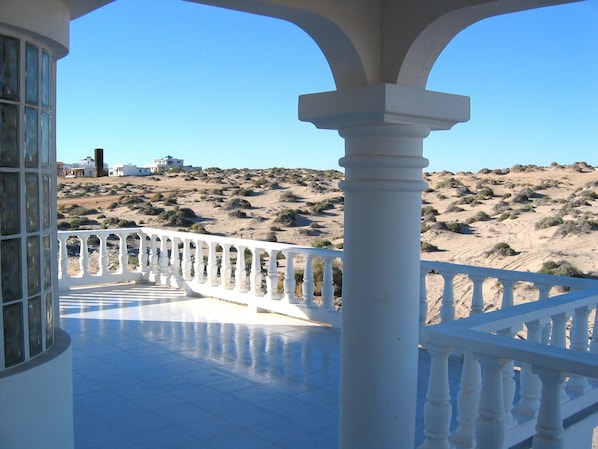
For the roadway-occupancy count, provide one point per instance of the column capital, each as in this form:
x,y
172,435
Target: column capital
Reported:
x,y
381,104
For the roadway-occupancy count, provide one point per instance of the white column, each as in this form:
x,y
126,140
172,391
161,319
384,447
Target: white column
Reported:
x,y
384,127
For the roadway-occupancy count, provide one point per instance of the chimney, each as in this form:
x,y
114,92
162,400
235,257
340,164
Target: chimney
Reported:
x,y
99,158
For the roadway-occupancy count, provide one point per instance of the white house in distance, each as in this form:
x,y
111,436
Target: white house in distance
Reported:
x,y
129,170
166,163
85,168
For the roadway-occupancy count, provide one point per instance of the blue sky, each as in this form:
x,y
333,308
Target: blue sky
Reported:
x,y
149,78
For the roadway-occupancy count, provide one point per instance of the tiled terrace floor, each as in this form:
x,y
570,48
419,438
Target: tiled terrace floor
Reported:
x,y
156,369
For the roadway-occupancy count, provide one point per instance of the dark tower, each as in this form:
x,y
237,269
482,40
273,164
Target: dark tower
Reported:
x,y
99,158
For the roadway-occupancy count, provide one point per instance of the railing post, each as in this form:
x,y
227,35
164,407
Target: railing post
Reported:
x,y
579,342
558,338
154,259
226,267
477,298
508,383
544,293
63,264
423,298
490,424
163,260
507,293
199,266
549,428
289,278
103,255
437,409
594,344
83,257
468,401
530,385
212,265
328,285
308,281
447,309
175,263
187,265
142,254
272,278
256,272
241,270
123,261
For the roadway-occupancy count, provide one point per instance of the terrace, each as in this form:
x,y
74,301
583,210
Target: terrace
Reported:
x,y
158,359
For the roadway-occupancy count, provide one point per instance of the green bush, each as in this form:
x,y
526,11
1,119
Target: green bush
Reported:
x,y
561,268
287,217
238,203
454,226
428,247
504,249
321,243
237,213
548,222
179,216
480,216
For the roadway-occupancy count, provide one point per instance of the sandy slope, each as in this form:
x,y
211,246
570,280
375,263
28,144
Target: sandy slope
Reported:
x,y
514,201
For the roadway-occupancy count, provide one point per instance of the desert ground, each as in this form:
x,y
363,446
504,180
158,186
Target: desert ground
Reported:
x,y
525,218
516,218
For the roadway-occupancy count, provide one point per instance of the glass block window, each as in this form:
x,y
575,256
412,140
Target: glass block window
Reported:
x,y
27,223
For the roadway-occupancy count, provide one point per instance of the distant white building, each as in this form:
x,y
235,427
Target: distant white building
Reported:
x,y
128,170
87,167
167,163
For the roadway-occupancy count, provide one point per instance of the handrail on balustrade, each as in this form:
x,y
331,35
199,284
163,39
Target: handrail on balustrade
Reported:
x,y
176,271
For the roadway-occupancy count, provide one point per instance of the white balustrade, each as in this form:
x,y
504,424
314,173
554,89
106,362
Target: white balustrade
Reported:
x,y
542,405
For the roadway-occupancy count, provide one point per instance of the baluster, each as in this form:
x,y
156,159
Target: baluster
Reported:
x,y
437,409
154,259
256,272
83,257
544,293
226,267
558,338
507,293
594,344
328,285
199,266
142,254
241,270
123,254
530,384
549,427
490,426
308,281
103,255
163,260
289,279
186,265
212,265
272,279
447,310
423,298
477,298
508,383
468,401
579,342
175,263
63,266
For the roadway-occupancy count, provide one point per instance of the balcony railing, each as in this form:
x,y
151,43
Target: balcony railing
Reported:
x,y
526,367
